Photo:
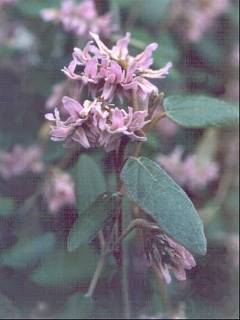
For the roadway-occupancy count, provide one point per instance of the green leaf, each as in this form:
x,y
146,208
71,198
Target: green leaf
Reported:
x,y
153,11
7,309
77,307
64,269
159,196
6,207
90,182
91,221
28,251
206,149
200,111
34,7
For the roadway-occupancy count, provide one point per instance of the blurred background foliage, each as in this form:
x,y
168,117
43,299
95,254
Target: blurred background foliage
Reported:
x,y
38,278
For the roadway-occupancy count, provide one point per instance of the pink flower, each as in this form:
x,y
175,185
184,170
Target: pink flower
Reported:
x,y
193,18
59,191
168,256
188,172
7,2
20,161
95,124
80,18
64,88
113,71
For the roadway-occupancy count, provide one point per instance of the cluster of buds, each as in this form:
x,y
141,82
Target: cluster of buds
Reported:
x,y
167,256
20,161
80,18
59,191
187,171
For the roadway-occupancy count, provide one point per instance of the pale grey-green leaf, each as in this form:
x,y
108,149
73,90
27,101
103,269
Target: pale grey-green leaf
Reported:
x,y
27,252
89,180
200,111
91,221
158,195
64,269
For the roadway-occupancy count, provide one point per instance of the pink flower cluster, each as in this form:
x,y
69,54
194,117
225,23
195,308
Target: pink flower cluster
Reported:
x,y
193,18
20,161
111,72
59,191
188,172
96,124
80,18
7,2
168,256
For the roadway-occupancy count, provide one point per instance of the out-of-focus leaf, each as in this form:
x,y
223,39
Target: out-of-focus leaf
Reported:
x,y
77,307
91,221
154,11
141,35
115,12
200,111
64,269
53,151
33,7
166,52
90,182
158,195
6,207
208,212
7,309
29,251
207,147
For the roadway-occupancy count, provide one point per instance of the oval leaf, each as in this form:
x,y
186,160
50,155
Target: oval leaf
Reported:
x,y
158,195
28,251
91,221
90,182
64,269
200,111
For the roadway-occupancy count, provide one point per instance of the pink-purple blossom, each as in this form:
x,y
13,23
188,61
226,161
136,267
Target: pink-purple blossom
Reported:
x,y
7,2
20,161
95,124
188,172
80,18
168,257
193,18
58,191
111,72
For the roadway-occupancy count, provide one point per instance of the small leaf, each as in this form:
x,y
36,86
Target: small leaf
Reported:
x,y
91,221
200,111
6,207
64,269
90,182
159,196
77,307
28,251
